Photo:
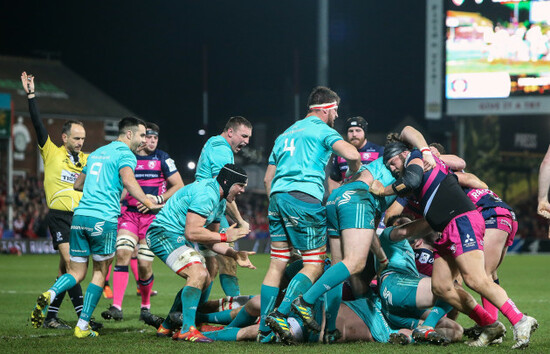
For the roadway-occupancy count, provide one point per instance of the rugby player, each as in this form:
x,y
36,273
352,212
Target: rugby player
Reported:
x,y
193,214
459,249
154,171
218,151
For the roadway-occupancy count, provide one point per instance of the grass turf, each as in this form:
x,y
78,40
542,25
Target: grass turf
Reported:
x,y
525,277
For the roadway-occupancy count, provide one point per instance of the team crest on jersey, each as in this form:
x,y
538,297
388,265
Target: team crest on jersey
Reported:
x,y
58,236
151,164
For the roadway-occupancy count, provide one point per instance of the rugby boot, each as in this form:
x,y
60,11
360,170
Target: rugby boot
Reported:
x,y
429,335
473,332
56,323
488,334
193,335
279,324
523,330
112,313
95,326
107,292
151,319
400,338
164,332
331,337
305,312
79,333
266,337
40,310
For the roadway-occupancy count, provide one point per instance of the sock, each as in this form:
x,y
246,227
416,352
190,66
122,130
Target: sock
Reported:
x,y
120,282
54,306
134,266
333,276
481,317
298,285
75,293
145,287
230,285
490,308
176,307
243,319
268,296
205,294
487,305
92,297
228,334
222,317
440,309
190,297
511,312
63,283
332,305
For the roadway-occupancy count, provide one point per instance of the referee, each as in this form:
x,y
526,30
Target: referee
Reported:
x,y
62,165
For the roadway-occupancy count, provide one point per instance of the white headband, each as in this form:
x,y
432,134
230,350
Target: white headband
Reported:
x,y
331,105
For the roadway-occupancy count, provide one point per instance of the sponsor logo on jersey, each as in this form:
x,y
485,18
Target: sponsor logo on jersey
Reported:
x,y
346,197
68,176
58,236
98,229
171,165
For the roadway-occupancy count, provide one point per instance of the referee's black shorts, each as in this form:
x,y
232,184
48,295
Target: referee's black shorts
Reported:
x,y
59,222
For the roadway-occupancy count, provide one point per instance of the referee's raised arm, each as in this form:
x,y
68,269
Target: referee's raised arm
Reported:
x,y
28,85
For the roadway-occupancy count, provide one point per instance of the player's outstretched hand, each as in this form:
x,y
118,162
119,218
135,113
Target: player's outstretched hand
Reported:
x,y
235,233
376,188
28,82
544,209
243,261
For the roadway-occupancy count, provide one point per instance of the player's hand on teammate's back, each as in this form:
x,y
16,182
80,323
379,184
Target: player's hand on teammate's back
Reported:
x,y
243,261
234,233
376,188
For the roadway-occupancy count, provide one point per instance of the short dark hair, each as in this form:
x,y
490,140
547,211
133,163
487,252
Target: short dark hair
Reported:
x,y
322,94
438,147
152,126
68,125
129,123
235,122
393,219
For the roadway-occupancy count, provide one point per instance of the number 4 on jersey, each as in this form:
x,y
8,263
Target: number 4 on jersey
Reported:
x,y
290,147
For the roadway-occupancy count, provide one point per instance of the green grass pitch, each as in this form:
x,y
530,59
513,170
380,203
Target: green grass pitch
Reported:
x,y
22,279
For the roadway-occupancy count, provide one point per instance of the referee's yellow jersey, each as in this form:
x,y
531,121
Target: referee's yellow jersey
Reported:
x,y
60,173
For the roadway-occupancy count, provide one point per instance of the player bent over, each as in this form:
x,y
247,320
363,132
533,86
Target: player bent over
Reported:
x,y
193,215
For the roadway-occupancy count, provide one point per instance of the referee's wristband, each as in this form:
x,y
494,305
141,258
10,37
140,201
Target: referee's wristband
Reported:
x,y
223,237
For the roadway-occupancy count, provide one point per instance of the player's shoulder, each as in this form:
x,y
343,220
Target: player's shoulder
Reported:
x,y
161,154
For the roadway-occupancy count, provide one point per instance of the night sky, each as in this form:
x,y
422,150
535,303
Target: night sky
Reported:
x,y
148,55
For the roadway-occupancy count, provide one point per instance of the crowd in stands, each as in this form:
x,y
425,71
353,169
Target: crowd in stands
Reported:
x,y
30,211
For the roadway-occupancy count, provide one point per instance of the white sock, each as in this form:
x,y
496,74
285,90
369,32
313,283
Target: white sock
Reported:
x,y
52,296
82,324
